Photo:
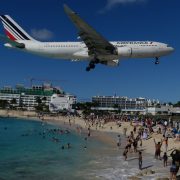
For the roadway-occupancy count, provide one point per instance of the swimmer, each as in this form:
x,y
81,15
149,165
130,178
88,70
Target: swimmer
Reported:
x,y
68,145
118,141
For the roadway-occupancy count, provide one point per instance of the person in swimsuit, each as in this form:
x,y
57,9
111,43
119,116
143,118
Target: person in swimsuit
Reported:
x,y
158,149
140,160
125,153
165,158
118,141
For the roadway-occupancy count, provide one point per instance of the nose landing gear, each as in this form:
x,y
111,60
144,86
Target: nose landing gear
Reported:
x,y
157,60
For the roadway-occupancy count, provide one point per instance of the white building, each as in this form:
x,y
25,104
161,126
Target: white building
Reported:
x,y
163,110
61,102
123,102
26,98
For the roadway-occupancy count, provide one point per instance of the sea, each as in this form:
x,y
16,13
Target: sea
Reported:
x,y
34,150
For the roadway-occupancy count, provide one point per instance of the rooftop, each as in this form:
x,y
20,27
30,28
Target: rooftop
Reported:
x,y
42,90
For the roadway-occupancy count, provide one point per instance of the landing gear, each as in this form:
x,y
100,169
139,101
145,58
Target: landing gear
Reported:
x,y
157,60
92,65
88,68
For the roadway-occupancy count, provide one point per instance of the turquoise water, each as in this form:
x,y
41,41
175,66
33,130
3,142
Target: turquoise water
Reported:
x,y
31,150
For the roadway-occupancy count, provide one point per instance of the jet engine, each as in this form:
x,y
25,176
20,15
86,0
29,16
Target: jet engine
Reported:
x,y
124,51
114,62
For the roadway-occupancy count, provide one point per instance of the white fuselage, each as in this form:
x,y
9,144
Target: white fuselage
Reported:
x,y
79,51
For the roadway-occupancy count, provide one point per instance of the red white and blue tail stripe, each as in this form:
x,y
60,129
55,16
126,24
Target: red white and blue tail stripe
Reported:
x,y
13,30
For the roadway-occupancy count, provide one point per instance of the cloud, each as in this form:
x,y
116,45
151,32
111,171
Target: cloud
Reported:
x,y
113,3
42,34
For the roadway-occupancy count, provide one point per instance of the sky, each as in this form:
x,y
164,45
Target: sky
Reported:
x,y
116,20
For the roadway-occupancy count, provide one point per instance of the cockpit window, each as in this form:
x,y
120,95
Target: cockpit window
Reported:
x,y
168,45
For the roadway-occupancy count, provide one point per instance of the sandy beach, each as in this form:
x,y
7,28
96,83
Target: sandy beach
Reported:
x,y
108,134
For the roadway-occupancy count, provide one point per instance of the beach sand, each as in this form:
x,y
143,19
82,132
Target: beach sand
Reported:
x,y
108,134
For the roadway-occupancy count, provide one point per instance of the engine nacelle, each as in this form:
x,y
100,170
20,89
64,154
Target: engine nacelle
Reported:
x,y
81,54
114,62
124,51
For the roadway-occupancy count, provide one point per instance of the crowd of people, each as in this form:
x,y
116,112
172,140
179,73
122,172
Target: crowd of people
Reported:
x,y
143,129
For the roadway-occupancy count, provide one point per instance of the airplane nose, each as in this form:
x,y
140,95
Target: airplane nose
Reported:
x,y
170,49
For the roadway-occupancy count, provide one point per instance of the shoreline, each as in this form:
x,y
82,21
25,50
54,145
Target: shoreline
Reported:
x,y
106,134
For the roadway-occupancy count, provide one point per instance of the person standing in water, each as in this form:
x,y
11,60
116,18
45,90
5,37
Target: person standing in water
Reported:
x,y
140,160
165,158
89,132
125,153
118,141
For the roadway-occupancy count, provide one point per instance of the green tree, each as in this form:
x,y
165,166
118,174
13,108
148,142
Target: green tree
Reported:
x,y
39,106
44,98
177,104
158,105
21,104
38,100
116,106
4,104
13,101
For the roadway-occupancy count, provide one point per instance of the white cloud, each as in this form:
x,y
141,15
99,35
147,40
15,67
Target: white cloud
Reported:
x,y
42,34
113,3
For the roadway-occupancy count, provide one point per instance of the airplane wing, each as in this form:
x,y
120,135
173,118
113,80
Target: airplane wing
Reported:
x,y
97,45
11,42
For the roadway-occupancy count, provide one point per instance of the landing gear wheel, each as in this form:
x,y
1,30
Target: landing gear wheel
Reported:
x,y
157,61
92,66
88,68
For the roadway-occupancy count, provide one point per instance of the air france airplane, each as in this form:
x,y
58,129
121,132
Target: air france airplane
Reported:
x,y
94,47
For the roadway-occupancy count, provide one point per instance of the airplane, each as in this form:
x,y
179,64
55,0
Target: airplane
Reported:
x,y
93,46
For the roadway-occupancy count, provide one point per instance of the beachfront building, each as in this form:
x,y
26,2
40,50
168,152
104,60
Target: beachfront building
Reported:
x,y
61,102
123,102
163,110
134,106
27,98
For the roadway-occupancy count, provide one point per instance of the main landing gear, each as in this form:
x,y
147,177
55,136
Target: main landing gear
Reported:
x,y
157,60
92,65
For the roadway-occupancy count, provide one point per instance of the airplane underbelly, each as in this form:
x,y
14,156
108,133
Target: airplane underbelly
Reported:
x,y
144,52
58,53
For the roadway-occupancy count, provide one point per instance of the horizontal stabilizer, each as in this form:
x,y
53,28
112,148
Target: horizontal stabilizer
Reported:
x,y
11,42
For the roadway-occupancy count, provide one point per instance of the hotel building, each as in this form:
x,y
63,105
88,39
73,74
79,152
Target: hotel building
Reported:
x,y
27,97
123,102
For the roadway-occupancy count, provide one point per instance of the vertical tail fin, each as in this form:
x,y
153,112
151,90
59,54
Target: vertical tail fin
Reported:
x,y
13,30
